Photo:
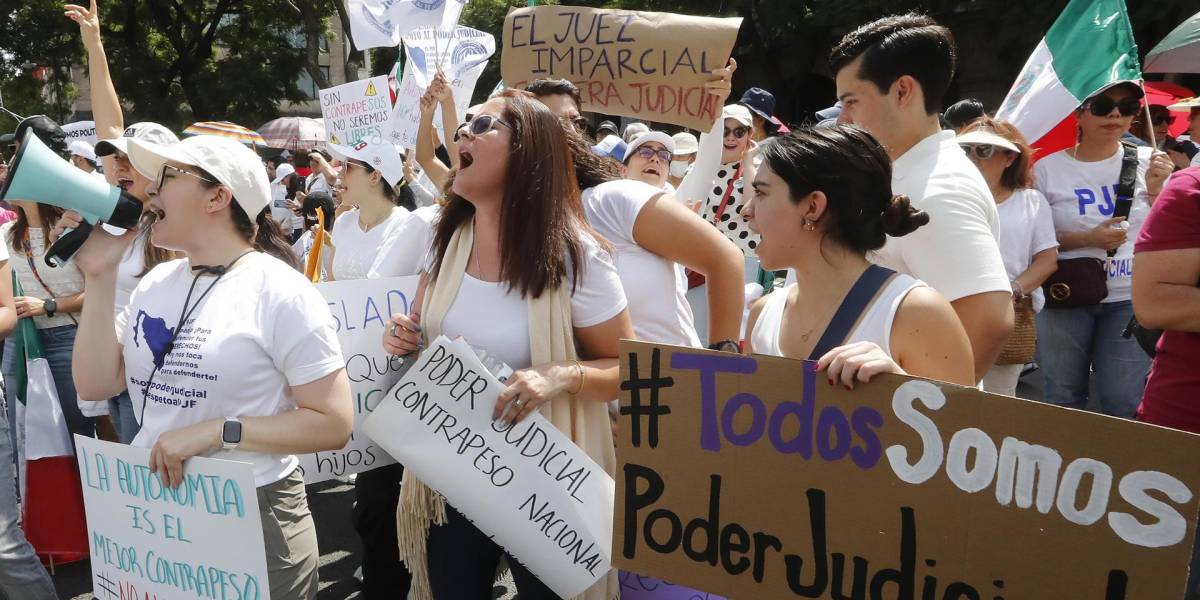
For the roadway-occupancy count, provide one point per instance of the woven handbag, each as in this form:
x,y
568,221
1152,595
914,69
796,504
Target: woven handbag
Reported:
x,y
1022,342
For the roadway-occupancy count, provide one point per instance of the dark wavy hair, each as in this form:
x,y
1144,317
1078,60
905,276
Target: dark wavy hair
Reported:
x,y
541,215
897,45
854,172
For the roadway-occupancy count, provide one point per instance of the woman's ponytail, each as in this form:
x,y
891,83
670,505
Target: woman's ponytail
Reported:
x,y
264,234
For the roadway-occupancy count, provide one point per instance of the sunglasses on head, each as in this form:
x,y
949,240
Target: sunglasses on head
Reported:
x,y
738,132
978,151
482,124
647,153
1102,106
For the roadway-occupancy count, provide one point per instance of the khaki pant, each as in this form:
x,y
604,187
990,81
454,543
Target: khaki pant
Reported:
x,y
290,538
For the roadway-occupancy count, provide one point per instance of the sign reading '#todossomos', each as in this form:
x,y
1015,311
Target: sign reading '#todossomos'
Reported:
x,y
752,477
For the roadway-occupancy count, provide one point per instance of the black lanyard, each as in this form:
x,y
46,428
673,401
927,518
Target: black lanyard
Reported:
x,y
188,309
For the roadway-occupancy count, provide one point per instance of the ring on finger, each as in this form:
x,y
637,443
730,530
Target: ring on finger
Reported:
x,y
393,330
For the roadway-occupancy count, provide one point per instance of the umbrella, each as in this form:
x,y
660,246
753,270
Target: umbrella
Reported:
x,y
225,129
1166,94
293,133
1179,52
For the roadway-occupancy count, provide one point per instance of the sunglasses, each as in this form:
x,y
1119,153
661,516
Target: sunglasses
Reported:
x,y
978,151
162,176
482,124
1102,106
580,123
738,132
1160,119
648,153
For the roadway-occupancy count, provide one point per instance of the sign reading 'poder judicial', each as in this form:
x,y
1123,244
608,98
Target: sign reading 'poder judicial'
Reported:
x,y
636,64
752,477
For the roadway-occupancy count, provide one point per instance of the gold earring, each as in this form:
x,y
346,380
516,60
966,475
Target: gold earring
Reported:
x,y
809,225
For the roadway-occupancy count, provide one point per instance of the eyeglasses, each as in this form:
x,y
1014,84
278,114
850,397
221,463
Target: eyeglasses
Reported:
x,y
482,124
1160,119
162,176
738,132
647,153
978,151
349,163
580,123
1102,106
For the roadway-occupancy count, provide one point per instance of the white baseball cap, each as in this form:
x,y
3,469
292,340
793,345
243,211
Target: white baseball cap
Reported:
x,y
83,149
145,131
283,170
651,136
235,166
381,155
986,136
685,143
738,113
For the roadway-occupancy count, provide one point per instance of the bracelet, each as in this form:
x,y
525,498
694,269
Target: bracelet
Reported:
x,y
582,378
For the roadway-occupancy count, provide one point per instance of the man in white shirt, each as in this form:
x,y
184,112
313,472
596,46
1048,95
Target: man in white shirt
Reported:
x,y
891,75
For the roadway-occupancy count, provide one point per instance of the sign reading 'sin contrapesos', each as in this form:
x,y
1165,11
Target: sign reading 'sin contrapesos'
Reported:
x,y
526,485
637,64
357,110
200,540
361,309
753,477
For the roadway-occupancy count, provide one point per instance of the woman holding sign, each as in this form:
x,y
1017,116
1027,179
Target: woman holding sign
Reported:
x,y
823,200
515,270
229,353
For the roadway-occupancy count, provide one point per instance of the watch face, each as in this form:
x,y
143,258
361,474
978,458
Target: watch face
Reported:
x,y
231,432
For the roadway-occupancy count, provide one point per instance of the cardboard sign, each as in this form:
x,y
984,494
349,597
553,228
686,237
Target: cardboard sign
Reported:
x,y
357,110
201,540
462,55
526,484
753,477
361,309
638,64
81,130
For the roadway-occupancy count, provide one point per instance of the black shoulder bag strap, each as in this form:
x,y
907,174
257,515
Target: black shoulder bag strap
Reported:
x,y
856,302
1126,184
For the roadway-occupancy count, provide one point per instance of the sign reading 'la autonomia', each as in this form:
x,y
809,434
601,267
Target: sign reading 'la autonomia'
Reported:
x,y
750,476
636,64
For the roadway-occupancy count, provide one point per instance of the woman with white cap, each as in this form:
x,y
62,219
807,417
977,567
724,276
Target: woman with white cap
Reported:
x,y
263,378
1081,333
648,160
1027,242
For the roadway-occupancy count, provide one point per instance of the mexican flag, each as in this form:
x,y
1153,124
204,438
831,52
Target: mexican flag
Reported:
x,y
51,494
1087,49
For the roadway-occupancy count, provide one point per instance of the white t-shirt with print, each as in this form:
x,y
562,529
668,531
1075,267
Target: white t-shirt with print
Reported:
x,y
658,305
261,330
355,250
406,246
1026,228
957,252
1082,195
63,281
490,316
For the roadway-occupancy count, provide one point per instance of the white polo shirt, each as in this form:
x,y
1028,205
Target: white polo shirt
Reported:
x,y
957,253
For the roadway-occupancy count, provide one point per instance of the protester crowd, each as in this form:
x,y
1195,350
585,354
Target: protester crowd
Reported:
x,y
881,236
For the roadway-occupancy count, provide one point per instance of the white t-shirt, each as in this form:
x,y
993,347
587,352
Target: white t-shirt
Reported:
x,y
1026,228
956,253
658,308
261,330
406,246
316,182
490,316
1082,195
66,280
355,250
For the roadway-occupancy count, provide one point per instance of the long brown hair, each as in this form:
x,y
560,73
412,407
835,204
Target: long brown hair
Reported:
x,y
1018,175
49,215
541,215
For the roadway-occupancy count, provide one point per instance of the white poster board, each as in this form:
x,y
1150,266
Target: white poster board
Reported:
x,y
361,309
201,540
81,130
357,110
526,485
462,55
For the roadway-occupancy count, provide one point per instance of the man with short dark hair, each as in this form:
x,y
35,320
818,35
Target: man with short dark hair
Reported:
x,y
561,97
891,75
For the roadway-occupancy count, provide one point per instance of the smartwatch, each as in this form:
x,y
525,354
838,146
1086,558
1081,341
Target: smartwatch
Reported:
x,y
50,306
726,346
231,433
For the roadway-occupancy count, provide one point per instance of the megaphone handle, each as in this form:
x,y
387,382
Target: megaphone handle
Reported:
x,y
67,245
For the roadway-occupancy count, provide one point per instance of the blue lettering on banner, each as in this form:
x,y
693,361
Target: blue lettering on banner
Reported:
x,y
1087,197
428,4
1120,268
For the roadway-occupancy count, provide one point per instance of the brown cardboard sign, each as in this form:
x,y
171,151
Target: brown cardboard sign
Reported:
x,y
753,477
636,64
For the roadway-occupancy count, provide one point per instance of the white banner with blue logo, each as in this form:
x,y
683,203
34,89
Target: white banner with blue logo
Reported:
x,y
382,23
461,53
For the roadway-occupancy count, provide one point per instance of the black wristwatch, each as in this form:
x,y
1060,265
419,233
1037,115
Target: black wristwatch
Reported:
x,y
50,306
725,346
231,433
